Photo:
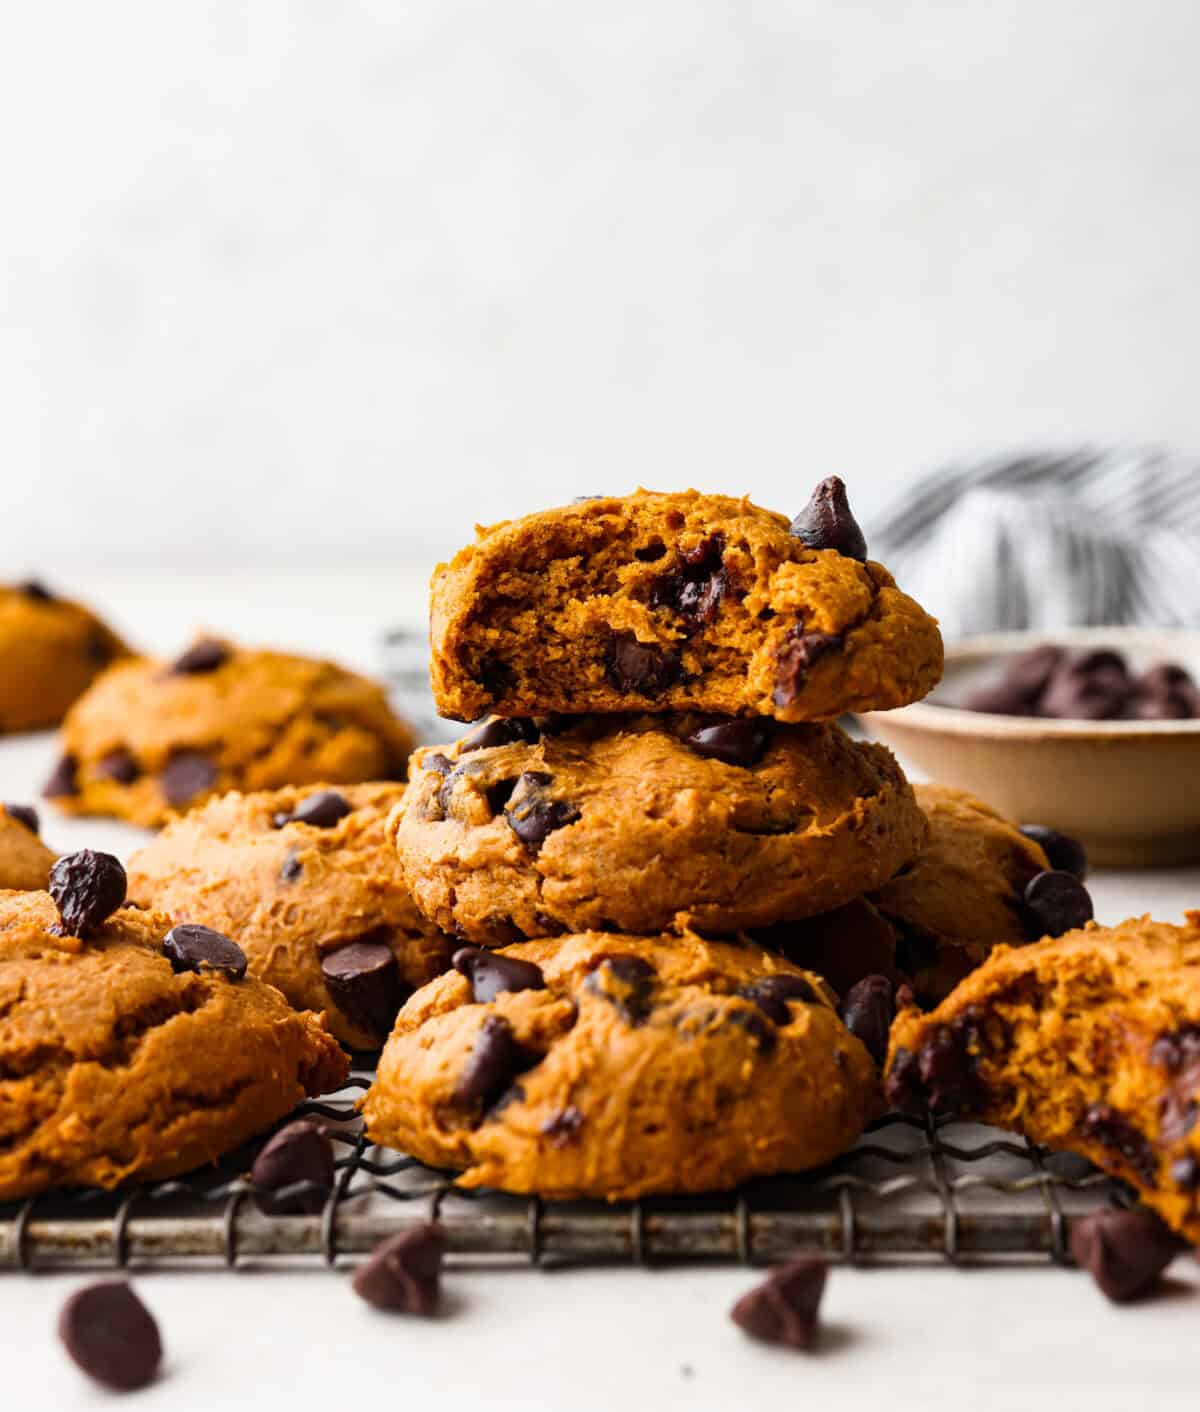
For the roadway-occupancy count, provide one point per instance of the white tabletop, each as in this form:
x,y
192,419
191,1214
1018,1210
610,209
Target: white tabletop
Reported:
x,y
923,1338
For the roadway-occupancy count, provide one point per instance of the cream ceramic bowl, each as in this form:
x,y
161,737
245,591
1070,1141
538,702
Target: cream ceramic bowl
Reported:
x,y
1130,790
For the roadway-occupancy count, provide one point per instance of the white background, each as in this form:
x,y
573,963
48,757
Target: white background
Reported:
x,y
318,285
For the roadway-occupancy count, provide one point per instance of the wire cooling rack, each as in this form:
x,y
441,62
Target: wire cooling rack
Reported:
x,y
908,1191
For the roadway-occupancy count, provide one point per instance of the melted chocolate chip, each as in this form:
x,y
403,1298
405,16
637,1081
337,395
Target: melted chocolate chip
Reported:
x,y
36,590
563,1127
24,814
772,995
1125,1252
300,1153
64,779
496,677
190,947
187,773
1103,1124
626,981
696,588
1066,854
203,656
783,1308
1055,902
868,1011
490,973
756,1025
735,742
532,815
495,1060
403,1273
364,982
795,658
644,667
438,764
111,1335
87,889
827,523
291,869
902,1087
515,730
322,810
120,766
498,795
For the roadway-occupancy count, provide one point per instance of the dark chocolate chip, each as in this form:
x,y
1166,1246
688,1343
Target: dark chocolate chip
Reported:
x,y
191,947
24,814
649,553
902,1087
1092,687
187,774
999,700
87,889
490,973
783,1308
696,588
120,766
111,1335
1103,1124
796,655
495,1060
322,810
64,779
37,590
563,1127
773,993
737,742
364,982
438,764
868,1011
291,868
1168,707
754,1023
1125,1252
644,667
532,815
626,981
1185,1172
204,656
496,677
827,523
515,730
1029,673
1055,902
299,1153
403,1273
1066,854
498,795
946,1071
1100,659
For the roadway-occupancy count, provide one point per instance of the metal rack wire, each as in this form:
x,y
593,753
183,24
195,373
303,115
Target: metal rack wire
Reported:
x,y
908,1191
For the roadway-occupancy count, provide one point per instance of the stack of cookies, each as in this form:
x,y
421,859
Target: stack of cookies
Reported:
x,y
658,788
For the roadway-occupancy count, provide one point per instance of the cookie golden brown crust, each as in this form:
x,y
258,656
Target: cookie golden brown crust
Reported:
x,y
114,1068
25,861
671,602
152,737
638,1068
629,823
293,893
1089,1041
52,650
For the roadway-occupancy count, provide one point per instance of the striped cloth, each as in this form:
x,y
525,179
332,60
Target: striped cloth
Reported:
x,y
1045,539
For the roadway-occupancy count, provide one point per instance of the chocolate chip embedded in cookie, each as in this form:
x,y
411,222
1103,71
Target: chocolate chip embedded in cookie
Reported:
x,y
25,861
52,650
1088,1041
116,1066
677,602
634,1065
152,737
632,823
307,882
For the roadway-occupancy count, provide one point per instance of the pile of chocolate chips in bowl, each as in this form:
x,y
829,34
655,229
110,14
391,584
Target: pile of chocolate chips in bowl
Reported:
x,y
1092,685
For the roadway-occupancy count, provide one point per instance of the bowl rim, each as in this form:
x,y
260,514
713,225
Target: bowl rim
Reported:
x,y
957,720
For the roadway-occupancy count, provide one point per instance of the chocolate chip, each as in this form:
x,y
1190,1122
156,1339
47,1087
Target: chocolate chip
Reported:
x,y
498,795
1055,902
998,700
490,973
1029,673
438,764
772,994
696,588
902,1087
867,1012
298,1153
1093,686
1177,1049
533,816
946,1069
496,677
644,667
35,589
187,773
1066,854
64,779
649,553
204,656
738,742
364,982
1185,1172
321,810
24,814
563,1127
87,889
119,765
1125,1252
1103,1124
796,655
403,1273
495,1060
111,1335
783,1309
291,868
755,1024
515,730
626,981
191,947
826,522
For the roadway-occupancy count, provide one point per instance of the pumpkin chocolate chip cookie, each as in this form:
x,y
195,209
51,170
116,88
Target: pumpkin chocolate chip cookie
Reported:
x,y
131,1050
52,650
25,861
677,602
1088,1041
642,823
152,737
611,1066
308,883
